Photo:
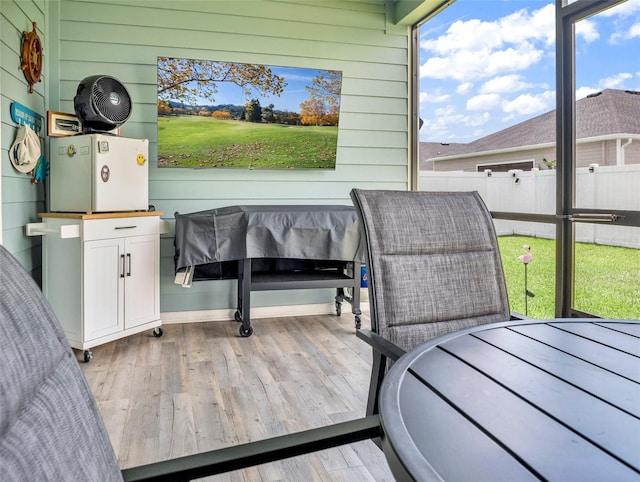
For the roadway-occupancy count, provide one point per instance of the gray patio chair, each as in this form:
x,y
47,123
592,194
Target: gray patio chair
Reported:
x,y
50,428
434,267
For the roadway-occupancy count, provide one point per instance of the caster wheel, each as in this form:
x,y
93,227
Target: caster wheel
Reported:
x,y
338,308
358,323
236,316
87,356
157,332
245,332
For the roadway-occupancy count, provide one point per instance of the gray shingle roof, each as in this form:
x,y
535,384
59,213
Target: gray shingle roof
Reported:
x,y
607,112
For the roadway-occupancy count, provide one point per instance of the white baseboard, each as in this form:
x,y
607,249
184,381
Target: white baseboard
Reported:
x,y
261,312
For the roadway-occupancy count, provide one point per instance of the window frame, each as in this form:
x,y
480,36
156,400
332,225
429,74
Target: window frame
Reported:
x,y
567,14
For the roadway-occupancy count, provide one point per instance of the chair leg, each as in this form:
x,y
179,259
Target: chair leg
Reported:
x,y
377,374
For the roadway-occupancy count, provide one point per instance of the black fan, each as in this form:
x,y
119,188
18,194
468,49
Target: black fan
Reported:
x,y
102,103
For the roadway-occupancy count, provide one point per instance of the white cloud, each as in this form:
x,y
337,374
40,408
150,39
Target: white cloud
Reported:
x,y
483,102
505,64
521,27
437,126
511,59
448,116
464,88
504,84
451,126
622,13
626,34
477,49
469,35
434,97
476,120
463,66
527,104
623,10
582,92
615,81
467,65
544,21
588,30
446,111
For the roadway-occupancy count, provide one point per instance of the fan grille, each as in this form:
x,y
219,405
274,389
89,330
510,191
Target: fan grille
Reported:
x,y
111,99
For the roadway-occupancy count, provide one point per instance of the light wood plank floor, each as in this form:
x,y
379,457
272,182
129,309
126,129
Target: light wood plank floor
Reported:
x,y
201,387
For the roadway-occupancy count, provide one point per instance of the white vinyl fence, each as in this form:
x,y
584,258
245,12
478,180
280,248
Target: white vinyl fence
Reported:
x,y
611,187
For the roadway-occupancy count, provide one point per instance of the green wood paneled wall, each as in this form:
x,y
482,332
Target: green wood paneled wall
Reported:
x,y
21,199
124,39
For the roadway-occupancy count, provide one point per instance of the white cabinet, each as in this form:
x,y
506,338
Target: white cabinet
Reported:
x,y
104,283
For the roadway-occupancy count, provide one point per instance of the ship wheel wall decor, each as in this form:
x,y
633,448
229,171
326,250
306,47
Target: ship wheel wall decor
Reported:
x,y
31,57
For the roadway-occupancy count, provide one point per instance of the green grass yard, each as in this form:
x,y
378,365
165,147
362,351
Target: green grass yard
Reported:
x,y
205,142
607,278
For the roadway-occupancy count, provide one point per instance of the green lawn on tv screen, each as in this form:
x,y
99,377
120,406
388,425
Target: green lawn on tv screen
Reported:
x,y
205,142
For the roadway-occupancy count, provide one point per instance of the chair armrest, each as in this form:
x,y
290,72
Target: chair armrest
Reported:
x,y
519,316
384,346
256,453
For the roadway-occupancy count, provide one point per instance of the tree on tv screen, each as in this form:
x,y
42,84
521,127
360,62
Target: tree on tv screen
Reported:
x,y
227,114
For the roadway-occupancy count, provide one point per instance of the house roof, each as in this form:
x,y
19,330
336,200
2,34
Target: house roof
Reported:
x,y
605,113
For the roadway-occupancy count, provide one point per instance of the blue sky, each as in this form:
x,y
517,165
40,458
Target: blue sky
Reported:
x,y
489,64
294,93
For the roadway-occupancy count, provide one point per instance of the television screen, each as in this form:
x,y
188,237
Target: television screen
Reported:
x,y
250,116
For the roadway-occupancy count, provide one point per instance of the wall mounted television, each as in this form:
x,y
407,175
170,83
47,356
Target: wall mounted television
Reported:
x,y
249,116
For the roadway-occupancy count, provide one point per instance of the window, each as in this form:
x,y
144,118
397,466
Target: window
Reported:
x,y
501,82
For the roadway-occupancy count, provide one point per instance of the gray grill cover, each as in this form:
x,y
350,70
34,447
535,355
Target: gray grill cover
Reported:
x,y
323,232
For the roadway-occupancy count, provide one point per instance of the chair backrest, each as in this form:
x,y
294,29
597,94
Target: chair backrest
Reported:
x,y
433,263
50,428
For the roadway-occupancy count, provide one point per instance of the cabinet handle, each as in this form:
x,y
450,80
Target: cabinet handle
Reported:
x,y
129,263
126,227
123,268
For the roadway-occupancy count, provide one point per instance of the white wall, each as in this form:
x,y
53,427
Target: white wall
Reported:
x,y
610,187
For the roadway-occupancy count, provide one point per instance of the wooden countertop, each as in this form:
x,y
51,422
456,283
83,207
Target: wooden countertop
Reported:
x,y
128,214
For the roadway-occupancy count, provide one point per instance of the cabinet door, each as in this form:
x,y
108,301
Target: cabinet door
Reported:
x,y
142,289
103,286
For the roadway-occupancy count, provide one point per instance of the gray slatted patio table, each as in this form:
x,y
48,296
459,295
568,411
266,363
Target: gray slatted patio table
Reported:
x,y
549,400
